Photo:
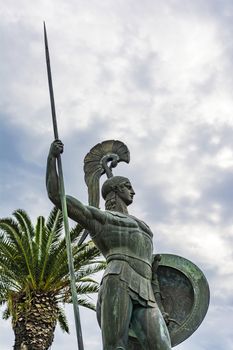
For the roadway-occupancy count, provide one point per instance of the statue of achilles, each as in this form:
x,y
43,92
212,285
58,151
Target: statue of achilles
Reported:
x,y
129,296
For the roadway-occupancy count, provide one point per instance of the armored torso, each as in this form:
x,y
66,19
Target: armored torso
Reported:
x,y
126,243
125,236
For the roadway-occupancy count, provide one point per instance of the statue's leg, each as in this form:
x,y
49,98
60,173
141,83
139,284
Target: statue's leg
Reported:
x,y
150,328
116,310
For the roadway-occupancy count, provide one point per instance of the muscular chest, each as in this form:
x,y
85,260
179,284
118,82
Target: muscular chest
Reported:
x,y
125,234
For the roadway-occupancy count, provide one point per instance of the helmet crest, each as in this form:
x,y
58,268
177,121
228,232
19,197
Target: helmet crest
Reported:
x,y
96,164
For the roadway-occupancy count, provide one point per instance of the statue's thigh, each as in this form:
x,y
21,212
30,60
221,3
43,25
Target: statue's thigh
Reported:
x,y
150,328
116,310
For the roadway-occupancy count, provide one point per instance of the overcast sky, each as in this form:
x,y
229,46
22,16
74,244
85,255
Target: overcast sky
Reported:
x,y
155,74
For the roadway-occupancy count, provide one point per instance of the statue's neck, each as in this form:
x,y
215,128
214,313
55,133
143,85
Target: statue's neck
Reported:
x,y
119,206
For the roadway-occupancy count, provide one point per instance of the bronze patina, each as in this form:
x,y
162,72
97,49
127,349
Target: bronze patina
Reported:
x,y
131,308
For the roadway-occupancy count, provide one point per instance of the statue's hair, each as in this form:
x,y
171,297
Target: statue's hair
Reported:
x,y
111,201
110,184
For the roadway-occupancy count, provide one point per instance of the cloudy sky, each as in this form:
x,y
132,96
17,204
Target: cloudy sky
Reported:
x,y
157,75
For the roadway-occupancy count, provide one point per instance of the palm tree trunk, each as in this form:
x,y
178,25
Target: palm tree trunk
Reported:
x,y
34,321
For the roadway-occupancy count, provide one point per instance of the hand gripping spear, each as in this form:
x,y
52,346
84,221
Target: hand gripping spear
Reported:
x,y
63,203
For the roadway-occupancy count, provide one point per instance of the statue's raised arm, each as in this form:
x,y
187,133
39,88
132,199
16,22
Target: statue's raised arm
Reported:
x,y
85,215
95,165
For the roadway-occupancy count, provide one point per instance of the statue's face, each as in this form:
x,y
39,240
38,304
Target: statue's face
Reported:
x,y
126,192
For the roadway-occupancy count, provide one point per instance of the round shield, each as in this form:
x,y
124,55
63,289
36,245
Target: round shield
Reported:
x,y
185,294
185,297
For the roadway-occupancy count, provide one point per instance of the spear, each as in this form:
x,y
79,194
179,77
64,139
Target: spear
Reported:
x,y
63,204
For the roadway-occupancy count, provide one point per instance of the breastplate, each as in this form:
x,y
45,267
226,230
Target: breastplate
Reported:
x,y
124,236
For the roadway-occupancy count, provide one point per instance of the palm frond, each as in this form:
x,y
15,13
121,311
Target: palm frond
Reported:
x,y
85,303
25,223
6,314
9,276
53,229
87,288
89,270
54,222
75,233
62,320
11,230
39,230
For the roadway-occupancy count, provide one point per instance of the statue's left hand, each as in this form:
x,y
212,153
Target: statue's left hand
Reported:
x,y
166,317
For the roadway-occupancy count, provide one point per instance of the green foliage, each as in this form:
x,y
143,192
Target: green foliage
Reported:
x,y
34,259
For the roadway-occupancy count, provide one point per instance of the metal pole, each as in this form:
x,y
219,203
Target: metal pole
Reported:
x,y
63,204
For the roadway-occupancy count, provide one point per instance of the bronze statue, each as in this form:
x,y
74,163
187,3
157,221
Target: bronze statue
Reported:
x,y
130,308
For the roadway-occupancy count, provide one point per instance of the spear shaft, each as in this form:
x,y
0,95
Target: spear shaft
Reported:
x,y
63,204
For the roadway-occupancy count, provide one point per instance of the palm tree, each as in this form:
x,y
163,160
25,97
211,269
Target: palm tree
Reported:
x,y
34,276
